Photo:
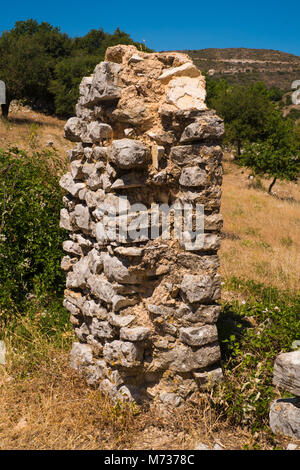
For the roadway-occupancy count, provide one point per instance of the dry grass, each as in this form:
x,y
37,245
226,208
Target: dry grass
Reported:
x,y
30,130
261,231
51,408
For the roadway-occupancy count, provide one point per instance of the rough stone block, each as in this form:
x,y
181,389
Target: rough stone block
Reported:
x,y
287,372
285,417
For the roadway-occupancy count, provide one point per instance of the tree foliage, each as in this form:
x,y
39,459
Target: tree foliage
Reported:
x,y
266,143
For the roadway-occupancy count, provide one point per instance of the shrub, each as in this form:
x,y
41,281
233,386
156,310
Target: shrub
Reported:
x,y
30,237
252,333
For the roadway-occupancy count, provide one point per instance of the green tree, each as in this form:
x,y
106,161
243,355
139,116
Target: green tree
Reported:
x,y
276,157
244,110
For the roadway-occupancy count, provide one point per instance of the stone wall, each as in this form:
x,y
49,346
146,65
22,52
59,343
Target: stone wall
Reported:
x,y
143,307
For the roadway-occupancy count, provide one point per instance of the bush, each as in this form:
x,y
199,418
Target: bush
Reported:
x,y
30,237
252,333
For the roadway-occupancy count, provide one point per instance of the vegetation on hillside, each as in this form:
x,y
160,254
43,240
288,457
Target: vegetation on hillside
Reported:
x,y
43,405
44,66
265,141
244,66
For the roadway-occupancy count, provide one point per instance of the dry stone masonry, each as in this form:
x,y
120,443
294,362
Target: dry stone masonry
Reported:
x,y
143,306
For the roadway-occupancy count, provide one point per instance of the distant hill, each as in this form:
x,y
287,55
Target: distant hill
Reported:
x,y
241,65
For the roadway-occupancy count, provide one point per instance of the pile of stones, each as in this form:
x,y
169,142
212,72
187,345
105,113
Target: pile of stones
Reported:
x,y
144,308
285,413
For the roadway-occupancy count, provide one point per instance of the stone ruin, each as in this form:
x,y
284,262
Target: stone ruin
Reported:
x,y
144,308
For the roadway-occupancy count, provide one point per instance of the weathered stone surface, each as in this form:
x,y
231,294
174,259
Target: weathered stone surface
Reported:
x,y
182,358
121,320
209,126
82,217
285,417
67,263
134,334
67,183
128,153
130,251
97,132
72,247
141,304
105,83
201,288
65,220
170,399
2,353
192,176
81,355
75,128
187,92
123,353
101,329
92,309
198,335
94,198
287,372
195,153
185,70
129,180
209,378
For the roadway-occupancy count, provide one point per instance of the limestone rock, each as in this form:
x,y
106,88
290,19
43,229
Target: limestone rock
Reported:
x,y
105,83
192,176
121,321
182,358
143,310
81,355
94,310
98,132
101,329
170,399
75,128
82,217
2,353
67,183
187,92
185,70
209,378
194,154
124,353
287,372
72,247
128,153
65,220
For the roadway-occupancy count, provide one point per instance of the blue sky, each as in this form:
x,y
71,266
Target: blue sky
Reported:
x,y
167,25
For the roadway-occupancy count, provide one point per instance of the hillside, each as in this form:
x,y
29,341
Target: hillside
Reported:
x,y
241,65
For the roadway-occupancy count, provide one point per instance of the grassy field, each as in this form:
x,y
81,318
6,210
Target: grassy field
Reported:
x,y
44,405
